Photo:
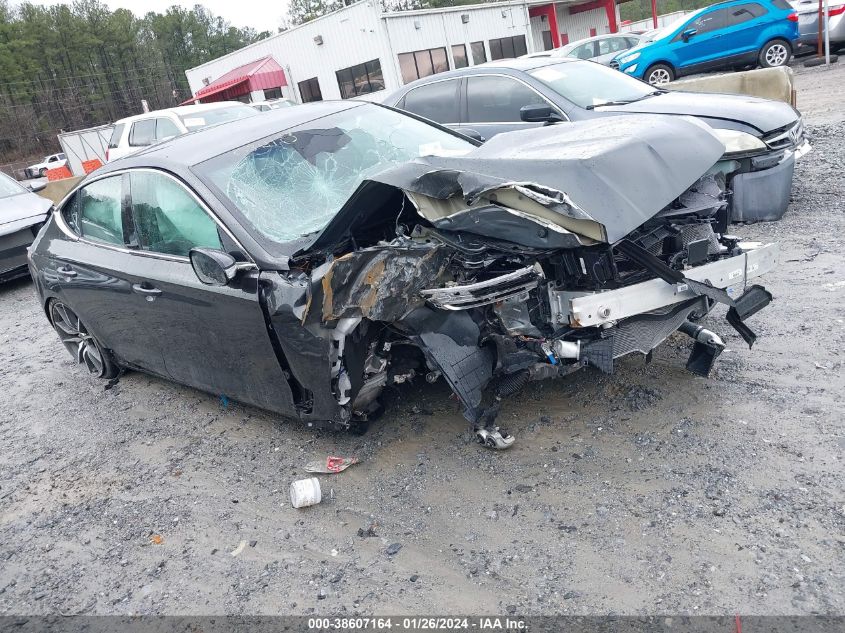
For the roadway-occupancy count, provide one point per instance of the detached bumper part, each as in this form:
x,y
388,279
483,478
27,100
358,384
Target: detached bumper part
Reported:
x,y
763,196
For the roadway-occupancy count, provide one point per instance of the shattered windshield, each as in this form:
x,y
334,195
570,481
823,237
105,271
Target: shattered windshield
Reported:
x,y
294,184
587,84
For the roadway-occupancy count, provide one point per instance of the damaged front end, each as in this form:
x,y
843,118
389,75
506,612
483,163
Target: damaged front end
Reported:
x,y
540,253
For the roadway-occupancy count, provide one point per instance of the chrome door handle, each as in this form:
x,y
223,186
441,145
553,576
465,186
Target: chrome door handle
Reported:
x,y
141,290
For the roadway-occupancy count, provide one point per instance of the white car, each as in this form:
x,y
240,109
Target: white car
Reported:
x,y
52,161
599,48
136,132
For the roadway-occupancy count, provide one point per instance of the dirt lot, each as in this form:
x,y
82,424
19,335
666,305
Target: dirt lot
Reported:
x,y
651,491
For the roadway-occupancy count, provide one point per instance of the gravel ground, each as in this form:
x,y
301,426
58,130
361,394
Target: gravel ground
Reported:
x,y
651,491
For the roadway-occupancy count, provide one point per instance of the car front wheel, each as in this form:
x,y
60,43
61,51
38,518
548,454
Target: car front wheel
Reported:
x,y
81,343
659,74
775,53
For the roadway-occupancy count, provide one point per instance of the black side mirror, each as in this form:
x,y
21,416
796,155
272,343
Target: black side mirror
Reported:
x,y
214,267
538,113
686,35
36,186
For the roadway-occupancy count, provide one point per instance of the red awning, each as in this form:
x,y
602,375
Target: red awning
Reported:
x,y
258,75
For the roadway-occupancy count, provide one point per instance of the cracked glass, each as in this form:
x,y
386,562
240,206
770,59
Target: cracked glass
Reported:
x,y
292,185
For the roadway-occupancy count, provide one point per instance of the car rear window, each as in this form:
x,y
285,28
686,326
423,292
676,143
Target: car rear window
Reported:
x,y
116,135
783,5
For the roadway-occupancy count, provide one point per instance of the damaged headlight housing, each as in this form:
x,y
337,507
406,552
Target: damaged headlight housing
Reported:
x,y
629,58
737,142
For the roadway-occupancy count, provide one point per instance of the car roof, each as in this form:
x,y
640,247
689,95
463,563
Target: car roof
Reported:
x,y
523,64
179,110
195,147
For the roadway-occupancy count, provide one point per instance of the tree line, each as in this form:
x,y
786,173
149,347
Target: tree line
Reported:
x,y
65,67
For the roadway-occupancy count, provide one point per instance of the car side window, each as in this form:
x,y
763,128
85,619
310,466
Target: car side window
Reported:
x,y
744,13
585,51
165,128
437,101
710,21
143,133
498,99
612,45
94,212
168,219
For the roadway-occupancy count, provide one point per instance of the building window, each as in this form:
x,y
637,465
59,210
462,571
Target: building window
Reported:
x,y
508,47
423,63
309,90
360,80
273,93
459,54
478,54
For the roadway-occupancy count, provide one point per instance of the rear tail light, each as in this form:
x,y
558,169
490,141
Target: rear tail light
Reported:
x,y
107,155
792,17
836,11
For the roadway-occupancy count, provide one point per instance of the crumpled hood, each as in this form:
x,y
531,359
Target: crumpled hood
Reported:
x,y
20,211
764,115
600,179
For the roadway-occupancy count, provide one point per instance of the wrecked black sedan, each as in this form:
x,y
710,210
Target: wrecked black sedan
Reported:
x,y
304,260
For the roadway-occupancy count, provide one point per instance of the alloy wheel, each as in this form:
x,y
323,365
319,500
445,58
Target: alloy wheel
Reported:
x,y
776,55
659,76
78,341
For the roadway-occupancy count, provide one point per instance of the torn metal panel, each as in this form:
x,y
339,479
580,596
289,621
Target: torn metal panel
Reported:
x,y
381,284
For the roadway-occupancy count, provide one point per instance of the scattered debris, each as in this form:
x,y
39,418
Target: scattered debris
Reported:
x,y
156,539
369,532
253,543
241,546
305,492
332,465
393,549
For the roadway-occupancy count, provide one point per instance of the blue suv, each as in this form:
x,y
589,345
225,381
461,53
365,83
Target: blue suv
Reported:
x,y
724,35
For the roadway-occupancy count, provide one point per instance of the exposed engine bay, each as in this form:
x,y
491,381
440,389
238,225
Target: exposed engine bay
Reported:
x,y
467,269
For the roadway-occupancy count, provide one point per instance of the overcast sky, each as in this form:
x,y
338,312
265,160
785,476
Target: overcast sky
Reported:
x,y
260,14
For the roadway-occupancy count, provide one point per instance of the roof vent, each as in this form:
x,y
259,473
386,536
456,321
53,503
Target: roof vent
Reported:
x,y
318,40
464,17
417,25
206,81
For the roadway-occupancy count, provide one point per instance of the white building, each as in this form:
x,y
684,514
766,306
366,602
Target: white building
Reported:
x,y
362,52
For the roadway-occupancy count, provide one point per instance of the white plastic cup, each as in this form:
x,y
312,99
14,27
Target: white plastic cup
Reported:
x,y
305,492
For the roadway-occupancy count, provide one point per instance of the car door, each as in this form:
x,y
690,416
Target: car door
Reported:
x,y
493,102
214,338
745,21
706,46
93,271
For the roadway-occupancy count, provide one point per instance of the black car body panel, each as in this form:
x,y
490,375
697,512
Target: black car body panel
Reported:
x,y
482,265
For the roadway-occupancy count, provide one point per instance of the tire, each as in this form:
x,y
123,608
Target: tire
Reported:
x,y
659,74
775,54
42,172
81,344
